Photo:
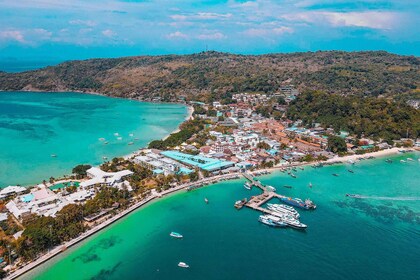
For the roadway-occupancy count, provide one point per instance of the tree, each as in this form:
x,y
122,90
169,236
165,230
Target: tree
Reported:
x,y
336,144
263,145
80,170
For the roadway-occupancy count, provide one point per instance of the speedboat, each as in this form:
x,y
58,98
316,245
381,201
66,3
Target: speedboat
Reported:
x,y
293,175
335,174
351,171
410,159
53,155
402,161
206,200
353,195
130,143
388,160
184,265
310,184
176,234
247,186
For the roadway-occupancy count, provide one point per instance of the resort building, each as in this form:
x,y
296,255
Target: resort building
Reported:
x,y
105,178
204,163
11,190
160,164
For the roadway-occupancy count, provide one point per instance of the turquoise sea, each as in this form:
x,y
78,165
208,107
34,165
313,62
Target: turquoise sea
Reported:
x,y
347,238
34,126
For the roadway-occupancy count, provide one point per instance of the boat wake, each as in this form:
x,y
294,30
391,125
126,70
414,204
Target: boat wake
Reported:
x,y
401,198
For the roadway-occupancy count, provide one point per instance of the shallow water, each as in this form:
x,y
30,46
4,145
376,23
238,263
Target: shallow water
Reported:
x,y
34,126
346,238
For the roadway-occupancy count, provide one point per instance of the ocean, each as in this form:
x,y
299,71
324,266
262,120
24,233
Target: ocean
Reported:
x,y
34,126
377,237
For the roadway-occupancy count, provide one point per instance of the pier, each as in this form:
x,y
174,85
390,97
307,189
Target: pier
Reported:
x,y
257,201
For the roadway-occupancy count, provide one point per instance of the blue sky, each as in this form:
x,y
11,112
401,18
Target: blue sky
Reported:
x,y
76,29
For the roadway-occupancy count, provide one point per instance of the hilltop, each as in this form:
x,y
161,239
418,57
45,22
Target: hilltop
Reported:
x,y
208,75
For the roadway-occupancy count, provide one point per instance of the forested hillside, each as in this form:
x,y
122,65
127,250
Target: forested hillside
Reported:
x,y
210,75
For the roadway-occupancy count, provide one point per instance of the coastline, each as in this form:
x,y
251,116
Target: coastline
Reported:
x,y
137,206
156,196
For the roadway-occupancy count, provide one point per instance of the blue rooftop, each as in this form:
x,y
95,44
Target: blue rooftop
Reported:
x,y
205,163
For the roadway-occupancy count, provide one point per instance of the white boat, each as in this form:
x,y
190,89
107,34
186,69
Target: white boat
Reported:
x,y
283,210
271,188
184,265
247,186
131,134
278,222
116,134
402,161
310,184
101,139
176,234
410,159
130,143
53,155
119,138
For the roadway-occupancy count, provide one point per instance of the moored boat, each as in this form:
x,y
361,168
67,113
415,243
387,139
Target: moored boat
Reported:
x,y
247,186
297,202
283,209
271,188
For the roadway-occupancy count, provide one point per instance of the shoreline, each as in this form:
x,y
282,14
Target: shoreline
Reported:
x,y
156,196
137,206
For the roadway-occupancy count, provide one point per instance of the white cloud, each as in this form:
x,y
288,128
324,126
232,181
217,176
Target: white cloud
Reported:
x,y
201,16
212,36
12,35
177,35
108,33
369,19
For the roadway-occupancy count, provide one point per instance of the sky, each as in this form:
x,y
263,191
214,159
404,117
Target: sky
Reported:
x,y
76,29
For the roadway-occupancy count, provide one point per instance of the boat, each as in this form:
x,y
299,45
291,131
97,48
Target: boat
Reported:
x,y
351,161
410,159
53,155
353,195
183,265
106,142
206,200
288,187
335,174
271,188
294,223
116,134
277,222
301,168
176,234
131,134
247,186
130,143
402,151
240,203
402,161
293,175
388,160
283,209
351,171
297,202
104,158
101,139
310,184
119,138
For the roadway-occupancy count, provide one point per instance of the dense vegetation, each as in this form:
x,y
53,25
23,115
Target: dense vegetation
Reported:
x,y
211,75
187,130
362,116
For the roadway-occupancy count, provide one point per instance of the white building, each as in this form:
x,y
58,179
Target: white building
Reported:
x,y
104,178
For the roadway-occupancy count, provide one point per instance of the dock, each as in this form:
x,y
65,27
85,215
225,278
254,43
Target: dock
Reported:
x,y
257,201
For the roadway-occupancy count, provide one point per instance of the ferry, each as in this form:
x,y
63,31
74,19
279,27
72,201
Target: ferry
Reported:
x,y
294,223
247,186
277,220
297,202
270,222
271,188
283,209
183,265
176,234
